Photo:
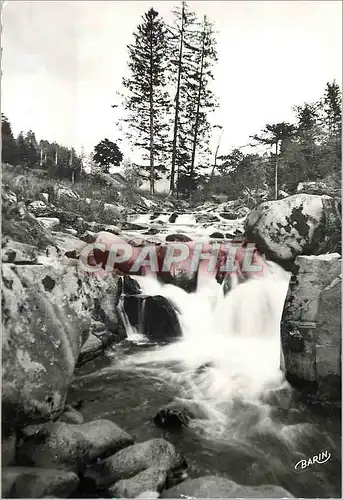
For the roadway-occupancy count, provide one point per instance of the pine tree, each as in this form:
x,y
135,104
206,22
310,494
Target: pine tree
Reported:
x,y
23,150
180,44
332,103
205,100
32,149
8,143
331,108
277,135
147,101
193,55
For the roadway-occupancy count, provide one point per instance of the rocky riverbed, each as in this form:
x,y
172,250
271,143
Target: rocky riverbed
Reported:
x,y
89,360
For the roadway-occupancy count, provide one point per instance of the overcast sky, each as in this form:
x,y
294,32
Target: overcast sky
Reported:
x,y
63,63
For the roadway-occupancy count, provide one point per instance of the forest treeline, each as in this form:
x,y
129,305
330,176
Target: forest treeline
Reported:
x,y
168,119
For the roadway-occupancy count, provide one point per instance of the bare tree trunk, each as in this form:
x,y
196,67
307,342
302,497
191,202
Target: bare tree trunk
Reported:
x,y
152,169
177,107
276,170
178,182
196,127
215,159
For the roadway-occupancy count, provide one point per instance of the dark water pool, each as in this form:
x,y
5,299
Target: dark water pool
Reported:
x,y
245,453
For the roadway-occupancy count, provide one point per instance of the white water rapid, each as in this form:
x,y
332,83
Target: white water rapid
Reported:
x,y
237,336
246,423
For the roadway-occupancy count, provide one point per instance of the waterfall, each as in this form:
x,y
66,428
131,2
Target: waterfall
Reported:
x,y
230,347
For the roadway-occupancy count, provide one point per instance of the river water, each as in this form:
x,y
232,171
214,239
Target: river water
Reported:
x,y
249,425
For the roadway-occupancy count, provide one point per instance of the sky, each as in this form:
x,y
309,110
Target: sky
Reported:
x,y
63,62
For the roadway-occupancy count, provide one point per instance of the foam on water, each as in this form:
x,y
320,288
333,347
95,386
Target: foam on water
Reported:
x,y
236,336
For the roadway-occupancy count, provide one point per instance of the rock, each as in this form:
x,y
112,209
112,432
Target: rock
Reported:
x,y
14,252
178,237
130,286
141,242
88,236
318,188
71,231
216,235
311,328
68,242
97,343
109,246
153,231
110,228
180,273
70,446
8,448
169,418
131,226
71,416
112,212
44,197
154,316
173,218
105,308
300,224
68,218
8,196
152,480
206,218
37,207
229,215
148,495
49,222
156,453
221,487
20,225
64,193
282,194
93,348
30,482
46,318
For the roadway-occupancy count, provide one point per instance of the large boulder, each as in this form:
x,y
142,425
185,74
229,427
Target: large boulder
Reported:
x,y
170,418
46,315
311,327
220,487
8,447
153,315
49,222
14,252
149,480
317,187
60,445
64,193
37,207
156,453
178,237
22,226
34,482
300,224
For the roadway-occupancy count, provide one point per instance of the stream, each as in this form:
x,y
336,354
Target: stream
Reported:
x,y
249,424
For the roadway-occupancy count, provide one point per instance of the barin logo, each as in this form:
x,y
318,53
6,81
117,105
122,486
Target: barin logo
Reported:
x,y
321,458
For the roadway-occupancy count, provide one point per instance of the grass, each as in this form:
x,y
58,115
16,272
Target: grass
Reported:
x,y
94,191
28,184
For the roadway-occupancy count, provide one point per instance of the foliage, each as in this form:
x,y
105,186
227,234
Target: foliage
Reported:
x,y
193,54
8,144
107,154
60,162
147,101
